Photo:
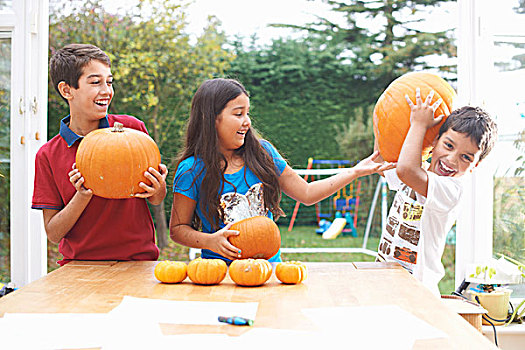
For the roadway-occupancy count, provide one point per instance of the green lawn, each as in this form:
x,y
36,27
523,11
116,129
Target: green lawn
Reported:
x,y
305,237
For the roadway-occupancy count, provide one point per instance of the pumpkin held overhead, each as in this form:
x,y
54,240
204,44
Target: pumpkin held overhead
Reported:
x,y
392,113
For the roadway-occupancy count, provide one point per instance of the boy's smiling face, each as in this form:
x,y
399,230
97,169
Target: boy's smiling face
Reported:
x,y
454,154
95,90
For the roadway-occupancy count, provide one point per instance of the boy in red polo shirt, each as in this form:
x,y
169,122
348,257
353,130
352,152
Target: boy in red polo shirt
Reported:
x,y
88,227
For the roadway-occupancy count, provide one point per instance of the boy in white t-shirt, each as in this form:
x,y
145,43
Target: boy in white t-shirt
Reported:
x,y
426,203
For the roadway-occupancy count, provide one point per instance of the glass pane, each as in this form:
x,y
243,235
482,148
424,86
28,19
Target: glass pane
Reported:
x,y
5,111
6,5
508,104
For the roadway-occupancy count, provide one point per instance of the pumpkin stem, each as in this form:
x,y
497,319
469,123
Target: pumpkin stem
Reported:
x,y
118,127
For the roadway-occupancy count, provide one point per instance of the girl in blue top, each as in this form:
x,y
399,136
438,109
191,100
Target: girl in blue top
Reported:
x,y
227,173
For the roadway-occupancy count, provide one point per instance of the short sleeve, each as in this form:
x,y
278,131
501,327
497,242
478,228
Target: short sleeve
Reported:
x,y
392,179
45,193
188,178
443,192
278,160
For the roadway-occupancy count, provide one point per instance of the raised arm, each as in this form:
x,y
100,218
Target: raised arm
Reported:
x,y
409,163
312,192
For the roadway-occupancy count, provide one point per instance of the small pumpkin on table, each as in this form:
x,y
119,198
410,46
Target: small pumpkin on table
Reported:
x,y
171,271
291,272
207,271
250,272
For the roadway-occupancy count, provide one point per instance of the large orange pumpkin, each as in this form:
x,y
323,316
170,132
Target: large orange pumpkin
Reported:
x,y
259,237
171,271
207,271
291,272
250,272
392,112
113,161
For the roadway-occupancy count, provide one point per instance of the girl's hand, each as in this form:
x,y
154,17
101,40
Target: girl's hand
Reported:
x,y
422,113
219,243
158,182
372,164
77,180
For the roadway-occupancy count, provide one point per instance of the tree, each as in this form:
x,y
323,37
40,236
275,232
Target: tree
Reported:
x,y
299,95
156,66
381,40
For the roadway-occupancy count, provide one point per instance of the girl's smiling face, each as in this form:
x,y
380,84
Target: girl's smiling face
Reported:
x,y
233,123
454,154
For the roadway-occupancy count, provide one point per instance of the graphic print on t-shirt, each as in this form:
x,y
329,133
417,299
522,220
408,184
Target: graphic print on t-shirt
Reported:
x,y
242,206
400,241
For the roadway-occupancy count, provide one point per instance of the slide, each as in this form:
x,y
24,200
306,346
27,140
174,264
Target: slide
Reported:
x,y
335,229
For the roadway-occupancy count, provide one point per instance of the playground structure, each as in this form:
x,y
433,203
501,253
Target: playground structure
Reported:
x,y
381,190
344,205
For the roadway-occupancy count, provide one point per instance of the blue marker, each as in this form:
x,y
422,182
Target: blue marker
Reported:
x,y
236,320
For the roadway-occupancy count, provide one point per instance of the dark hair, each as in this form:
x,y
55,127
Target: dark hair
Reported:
x,y
67,64
475,123
202,142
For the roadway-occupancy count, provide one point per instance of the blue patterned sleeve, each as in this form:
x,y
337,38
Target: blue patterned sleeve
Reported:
x,y
188,178
278,160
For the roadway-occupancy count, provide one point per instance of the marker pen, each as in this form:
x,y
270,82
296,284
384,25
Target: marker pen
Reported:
x,y
236,320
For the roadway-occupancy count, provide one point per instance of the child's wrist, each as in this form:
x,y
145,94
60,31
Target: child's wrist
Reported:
x,y
420,126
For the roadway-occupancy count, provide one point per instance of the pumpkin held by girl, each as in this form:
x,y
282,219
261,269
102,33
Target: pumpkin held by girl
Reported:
x,y
259,237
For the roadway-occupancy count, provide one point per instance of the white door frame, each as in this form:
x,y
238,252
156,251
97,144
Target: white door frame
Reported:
x,y
28,23
475,72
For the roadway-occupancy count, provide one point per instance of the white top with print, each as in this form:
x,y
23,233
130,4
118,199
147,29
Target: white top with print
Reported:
x,y
417,226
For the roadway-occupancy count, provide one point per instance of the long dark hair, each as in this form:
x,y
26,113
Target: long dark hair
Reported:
x,y
202,142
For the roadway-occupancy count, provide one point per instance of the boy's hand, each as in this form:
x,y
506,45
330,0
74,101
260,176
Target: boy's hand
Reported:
x,y
76,178
422,113
220,244
372,165
158,182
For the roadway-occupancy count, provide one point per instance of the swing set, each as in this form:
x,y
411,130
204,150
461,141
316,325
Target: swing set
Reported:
x,y
380,191
343,204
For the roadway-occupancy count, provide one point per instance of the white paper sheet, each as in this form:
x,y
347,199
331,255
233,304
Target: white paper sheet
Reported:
x,y
55,331
182,312
134,324
377,327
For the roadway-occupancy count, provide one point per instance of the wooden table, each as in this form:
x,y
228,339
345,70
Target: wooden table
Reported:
x,y
97,287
